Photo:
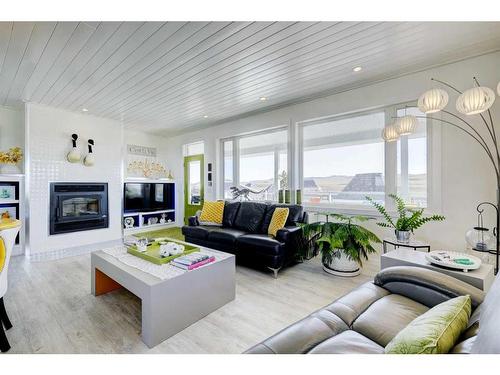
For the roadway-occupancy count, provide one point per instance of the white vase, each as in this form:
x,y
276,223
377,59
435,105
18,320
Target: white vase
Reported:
x,y
9,169
342,266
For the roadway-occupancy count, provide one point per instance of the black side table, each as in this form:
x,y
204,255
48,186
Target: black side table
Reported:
x,y
415,245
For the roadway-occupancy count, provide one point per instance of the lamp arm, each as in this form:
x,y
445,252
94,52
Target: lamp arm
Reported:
x,y
486,149
472,128
447,84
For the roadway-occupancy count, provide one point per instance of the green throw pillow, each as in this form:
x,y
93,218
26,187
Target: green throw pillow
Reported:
x,y
434,332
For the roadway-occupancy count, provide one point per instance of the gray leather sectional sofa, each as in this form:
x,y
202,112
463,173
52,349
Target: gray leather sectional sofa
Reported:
x,y
368,318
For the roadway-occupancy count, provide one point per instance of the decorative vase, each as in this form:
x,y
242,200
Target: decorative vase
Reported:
x,y
402,236
298,196
341,265
288,196
281,196
9,169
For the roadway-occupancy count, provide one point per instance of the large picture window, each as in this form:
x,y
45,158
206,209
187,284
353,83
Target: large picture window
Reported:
x,y
256,162
343,160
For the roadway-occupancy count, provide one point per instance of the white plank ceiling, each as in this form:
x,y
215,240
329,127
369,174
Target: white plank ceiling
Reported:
x,y
172,77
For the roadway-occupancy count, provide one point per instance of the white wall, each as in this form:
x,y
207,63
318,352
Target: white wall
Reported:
x,y
466,177
11,128
48,141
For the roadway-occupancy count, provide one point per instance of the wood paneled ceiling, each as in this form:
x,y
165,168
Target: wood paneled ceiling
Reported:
x,y
175,76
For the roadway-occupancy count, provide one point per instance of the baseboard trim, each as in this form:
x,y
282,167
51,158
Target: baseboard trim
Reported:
x,y
72,251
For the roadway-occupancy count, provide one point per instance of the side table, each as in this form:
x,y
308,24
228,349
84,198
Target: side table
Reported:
x,y
413,244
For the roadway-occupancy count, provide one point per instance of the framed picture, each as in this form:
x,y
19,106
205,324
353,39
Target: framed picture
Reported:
x,y
8,212
7,192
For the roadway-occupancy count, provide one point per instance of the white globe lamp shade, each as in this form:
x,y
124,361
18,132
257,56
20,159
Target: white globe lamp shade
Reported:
x,y
433,101
406,125
498,88
390,133
475,100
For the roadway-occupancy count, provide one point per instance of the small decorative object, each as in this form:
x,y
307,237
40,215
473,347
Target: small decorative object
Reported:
x,y
243,192
146,168
281,196
142,244
283,184
288,196
7,192
9,160
163,218
152,220
474,101
343,244
129,222
169,220
170,177
453,260
170,248
298,196
89,159
74,155
409,219
8,212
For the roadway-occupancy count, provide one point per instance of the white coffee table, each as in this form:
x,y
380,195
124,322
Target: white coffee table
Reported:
x,y
482,278
170,305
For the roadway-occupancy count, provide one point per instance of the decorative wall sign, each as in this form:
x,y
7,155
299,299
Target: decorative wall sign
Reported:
x,y
146,168
141,151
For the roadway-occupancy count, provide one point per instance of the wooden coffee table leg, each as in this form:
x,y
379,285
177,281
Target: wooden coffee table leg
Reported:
x,y
104,283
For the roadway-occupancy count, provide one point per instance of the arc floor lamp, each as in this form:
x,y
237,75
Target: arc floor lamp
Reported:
x,y
475,101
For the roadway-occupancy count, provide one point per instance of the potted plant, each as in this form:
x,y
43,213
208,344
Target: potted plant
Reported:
x,y
408,221
343,244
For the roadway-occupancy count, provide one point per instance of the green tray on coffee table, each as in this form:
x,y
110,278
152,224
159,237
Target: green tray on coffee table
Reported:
x,y
152,254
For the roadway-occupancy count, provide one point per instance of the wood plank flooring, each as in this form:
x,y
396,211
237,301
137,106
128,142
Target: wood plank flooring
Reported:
x,y
52,310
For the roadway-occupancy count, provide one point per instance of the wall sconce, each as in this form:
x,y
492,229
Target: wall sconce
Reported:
x,y
89,159
74,155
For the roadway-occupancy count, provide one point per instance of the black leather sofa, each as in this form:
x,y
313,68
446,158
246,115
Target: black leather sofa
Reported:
x,y
244,233
368,318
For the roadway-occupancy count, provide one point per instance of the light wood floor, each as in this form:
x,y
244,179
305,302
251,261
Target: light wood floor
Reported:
x,y
52,310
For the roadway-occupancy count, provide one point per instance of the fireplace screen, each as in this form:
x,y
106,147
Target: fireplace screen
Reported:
x,y
80,206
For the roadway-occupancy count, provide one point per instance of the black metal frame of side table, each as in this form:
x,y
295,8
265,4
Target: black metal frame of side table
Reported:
x,y
399,244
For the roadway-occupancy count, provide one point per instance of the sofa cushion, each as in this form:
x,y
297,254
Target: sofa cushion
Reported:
x,y
262,243
295,213
487,340
383,320
212,212
278,220
250,216
201,232
225,235
230,212
348,342
434,332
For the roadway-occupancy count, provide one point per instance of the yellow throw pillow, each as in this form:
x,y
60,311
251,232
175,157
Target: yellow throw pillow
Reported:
x,y
3,254
278,220
212,212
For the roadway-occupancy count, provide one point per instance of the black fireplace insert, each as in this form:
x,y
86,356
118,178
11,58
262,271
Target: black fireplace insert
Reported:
x,y
78,207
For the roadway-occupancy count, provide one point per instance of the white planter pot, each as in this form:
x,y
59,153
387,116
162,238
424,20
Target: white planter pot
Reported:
x,y
342,266
9,169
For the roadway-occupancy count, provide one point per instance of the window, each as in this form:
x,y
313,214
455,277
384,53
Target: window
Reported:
x,y
412,162
195,148
343,160
258,162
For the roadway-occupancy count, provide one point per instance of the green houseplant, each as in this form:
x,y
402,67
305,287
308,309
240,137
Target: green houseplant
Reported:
x,y
343,244
408,221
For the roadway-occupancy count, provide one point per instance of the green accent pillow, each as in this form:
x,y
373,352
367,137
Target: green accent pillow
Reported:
x,y
434,332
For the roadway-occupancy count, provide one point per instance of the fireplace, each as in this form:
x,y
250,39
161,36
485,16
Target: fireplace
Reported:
x,y
78,207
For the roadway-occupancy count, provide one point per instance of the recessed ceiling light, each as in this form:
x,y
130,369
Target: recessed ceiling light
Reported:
x,y
85,110
262,98
206,116
357,69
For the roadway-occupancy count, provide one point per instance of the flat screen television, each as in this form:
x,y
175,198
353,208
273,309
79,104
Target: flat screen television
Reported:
x,y
143,197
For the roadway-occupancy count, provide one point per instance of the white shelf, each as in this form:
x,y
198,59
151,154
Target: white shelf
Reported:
x,y
151,180
9,201
127,214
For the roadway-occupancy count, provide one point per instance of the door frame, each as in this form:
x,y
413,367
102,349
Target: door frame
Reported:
x,y
187,160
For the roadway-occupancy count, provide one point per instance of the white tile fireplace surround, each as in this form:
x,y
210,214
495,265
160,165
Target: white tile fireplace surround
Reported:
x,y
48,139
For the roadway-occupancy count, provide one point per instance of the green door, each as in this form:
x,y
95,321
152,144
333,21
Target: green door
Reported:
x,y
193,185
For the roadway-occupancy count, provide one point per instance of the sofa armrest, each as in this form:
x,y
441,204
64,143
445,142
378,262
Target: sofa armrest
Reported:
x,y
426,286
193,221
293,238
286,233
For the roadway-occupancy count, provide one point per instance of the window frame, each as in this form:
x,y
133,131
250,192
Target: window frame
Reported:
x,y
236,154
433,139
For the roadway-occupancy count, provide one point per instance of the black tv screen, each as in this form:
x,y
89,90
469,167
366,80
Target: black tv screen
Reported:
x,y
140,197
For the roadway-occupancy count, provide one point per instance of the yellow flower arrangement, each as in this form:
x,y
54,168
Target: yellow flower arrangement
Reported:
x,y
13,156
